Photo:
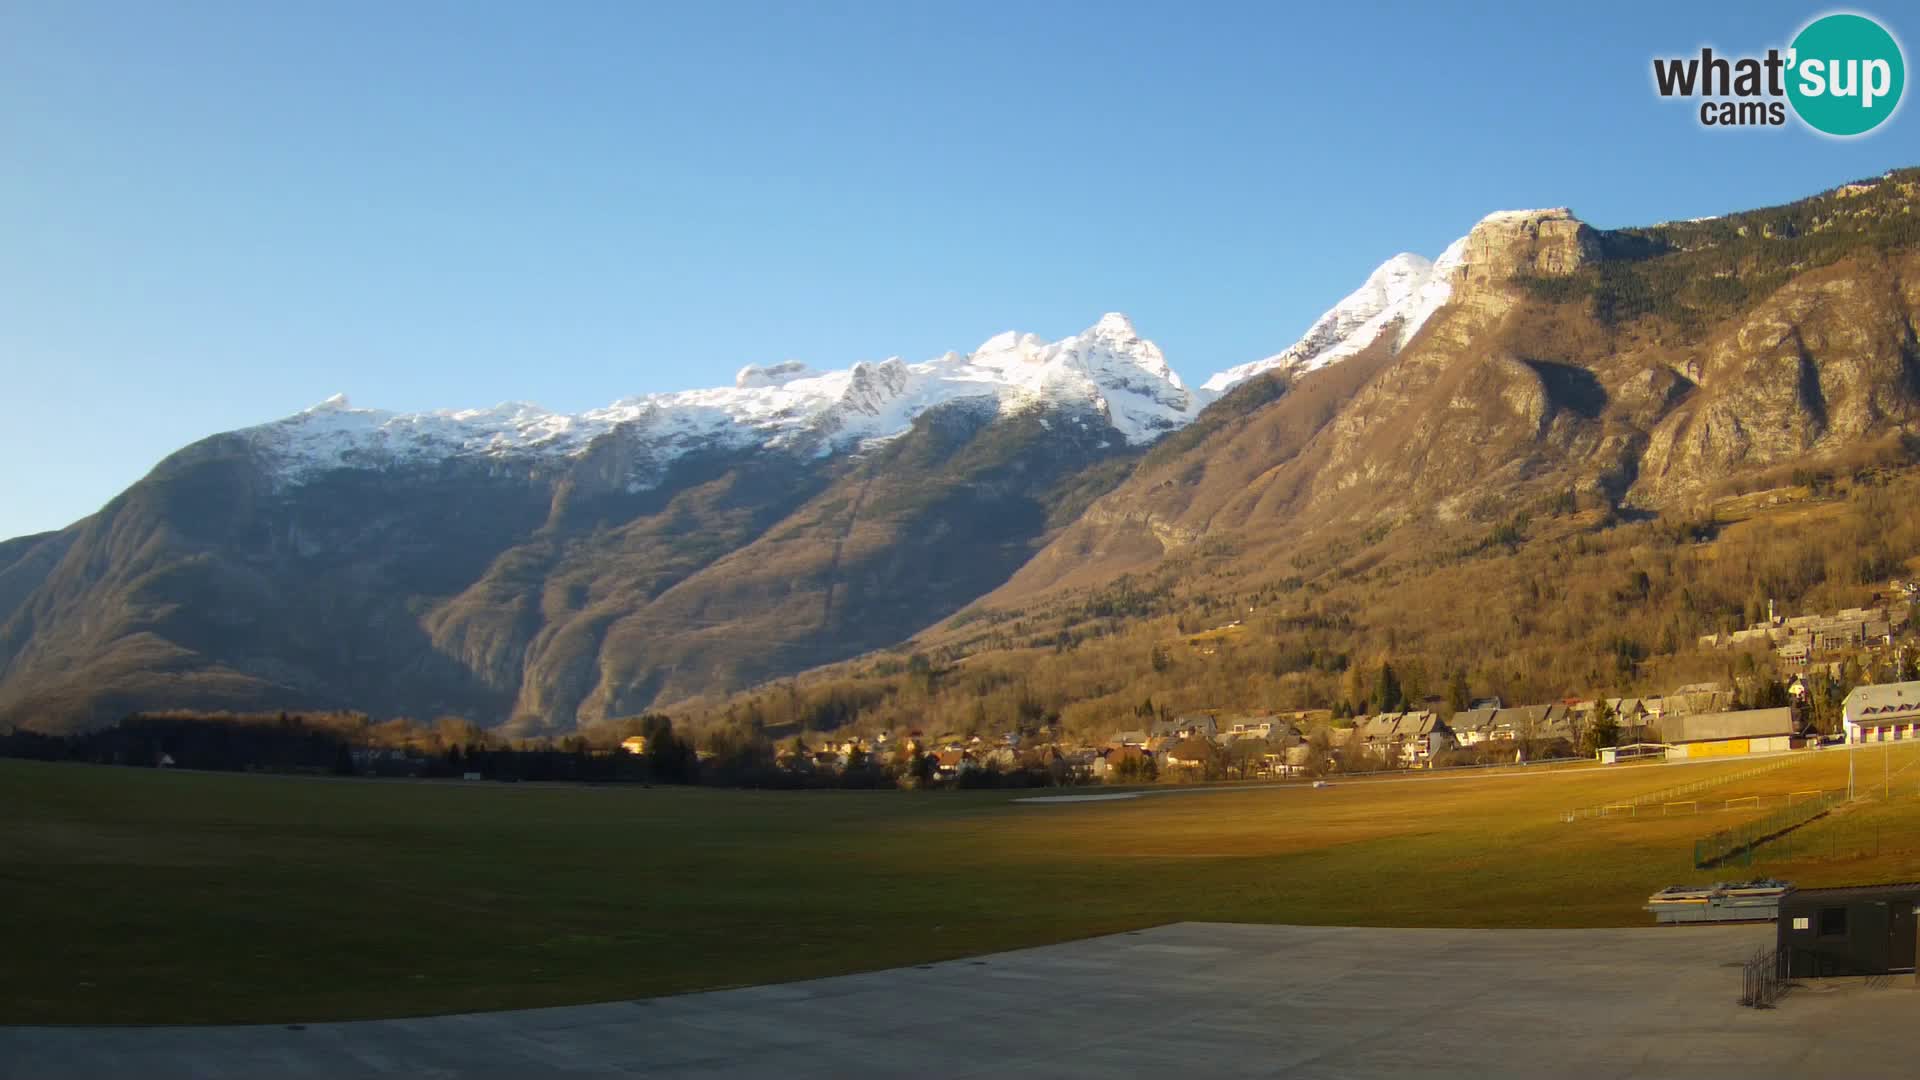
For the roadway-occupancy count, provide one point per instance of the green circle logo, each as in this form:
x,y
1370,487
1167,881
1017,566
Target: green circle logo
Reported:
x,y
1846,74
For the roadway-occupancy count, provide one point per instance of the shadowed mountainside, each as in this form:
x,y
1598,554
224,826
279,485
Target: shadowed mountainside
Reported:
x,y
541,595
1630,373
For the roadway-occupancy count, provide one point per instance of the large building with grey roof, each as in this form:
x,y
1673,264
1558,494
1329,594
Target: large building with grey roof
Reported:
x,y
1886,713
1751,731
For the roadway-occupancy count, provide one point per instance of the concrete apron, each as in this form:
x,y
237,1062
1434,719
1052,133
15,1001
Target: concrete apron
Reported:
x,y
1193,999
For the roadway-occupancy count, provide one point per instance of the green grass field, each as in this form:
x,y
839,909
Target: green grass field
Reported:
x,y
137,896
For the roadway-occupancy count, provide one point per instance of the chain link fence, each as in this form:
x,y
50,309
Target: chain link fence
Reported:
x,y
1737,843
1676,793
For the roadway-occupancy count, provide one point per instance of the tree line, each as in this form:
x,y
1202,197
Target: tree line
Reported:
x,y
350,744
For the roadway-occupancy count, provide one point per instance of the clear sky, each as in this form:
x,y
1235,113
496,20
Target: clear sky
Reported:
x,y
216,214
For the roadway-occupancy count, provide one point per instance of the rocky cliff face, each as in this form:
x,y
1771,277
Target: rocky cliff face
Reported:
x,y
542,570
1639,368
1824,363
1547,243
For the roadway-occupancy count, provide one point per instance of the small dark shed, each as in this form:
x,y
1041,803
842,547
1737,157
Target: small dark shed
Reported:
x,y
1856,930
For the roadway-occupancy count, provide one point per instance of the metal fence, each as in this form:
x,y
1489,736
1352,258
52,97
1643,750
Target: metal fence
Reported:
x,y
1727,845
1877,828
1677,793
1763,979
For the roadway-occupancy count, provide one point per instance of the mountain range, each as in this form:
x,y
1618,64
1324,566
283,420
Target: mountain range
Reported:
x,y
538,570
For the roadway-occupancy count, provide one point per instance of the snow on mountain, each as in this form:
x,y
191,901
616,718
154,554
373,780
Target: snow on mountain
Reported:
x,y
1108,368
1402,291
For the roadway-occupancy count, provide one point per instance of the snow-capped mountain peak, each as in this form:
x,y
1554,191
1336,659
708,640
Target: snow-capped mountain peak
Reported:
x,y
1107,368
1400,292
1398,298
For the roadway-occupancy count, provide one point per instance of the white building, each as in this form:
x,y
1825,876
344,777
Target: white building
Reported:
x,y
1886,713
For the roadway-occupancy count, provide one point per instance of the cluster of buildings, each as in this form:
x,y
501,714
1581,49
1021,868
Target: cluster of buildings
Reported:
x,y
1797,640
952,755
1693,721
1197,744
1273,744
1637,717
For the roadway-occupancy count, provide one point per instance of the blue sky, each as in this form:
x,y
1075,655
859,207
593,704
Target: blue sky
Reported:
x,y
212,215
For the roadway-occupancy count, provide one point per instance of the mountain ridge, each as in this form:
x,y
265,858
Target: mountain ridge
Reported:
x,y
786,406
542,570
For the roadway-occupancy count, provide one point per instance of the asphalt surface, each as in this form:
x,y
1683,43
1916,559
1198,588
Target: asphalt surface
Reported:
x,y
1192,1000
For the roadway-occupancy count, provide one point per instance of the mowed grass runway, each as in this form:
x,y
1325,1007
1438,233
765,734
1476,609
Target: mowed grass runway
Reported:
x,y
139,896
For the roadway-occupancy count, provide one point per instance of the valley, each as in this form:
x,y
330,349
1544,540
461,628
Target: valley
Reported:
x,y
1506,466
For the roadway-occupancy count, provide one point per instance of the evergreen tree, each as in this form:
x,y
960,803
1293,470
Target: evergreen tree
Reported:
x,y
670,759
1603,729
1386,690
1458,695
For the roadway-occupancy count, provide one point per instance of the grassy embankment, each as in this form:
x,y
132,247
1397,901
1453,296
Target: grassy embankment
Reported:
x,y
142,896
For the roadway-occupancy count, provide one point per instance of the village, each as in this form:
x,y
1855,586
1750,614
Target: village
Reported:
x,y
1823,656
1691,722
1797,640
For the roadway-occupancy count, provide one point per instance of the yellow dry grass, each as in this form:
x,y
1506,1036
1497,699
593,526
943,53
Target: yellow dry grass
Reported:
x,y
135,895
